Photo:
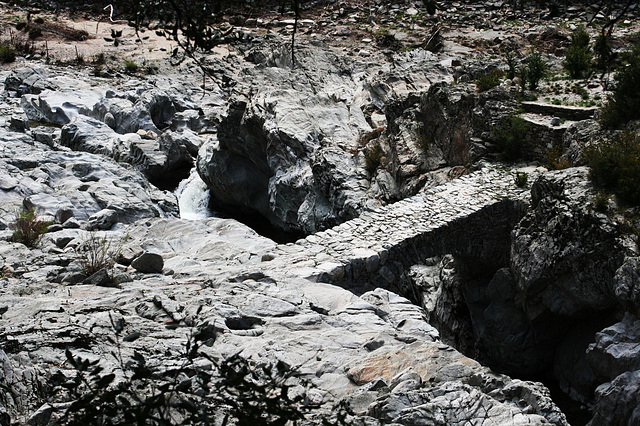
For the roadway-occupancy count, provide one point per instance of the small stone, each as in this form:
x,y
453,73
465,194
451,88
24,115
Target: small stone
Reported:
x,y
104,219
63,214
62,240
148,263
122,277
127,254
555,121
101,278
373,344
7,183
110,120
41,416
71,223
19,123
73,277
54,228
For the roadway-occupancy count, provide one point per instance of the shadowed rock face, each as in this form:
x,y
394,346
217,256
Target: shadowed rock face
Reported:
x,y
291,142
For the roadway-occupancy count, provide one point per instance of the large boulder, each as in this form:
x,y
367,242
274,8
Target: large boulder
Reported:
x,y
78,184
564,254
33,81
617,401
293,142
616,349
273,133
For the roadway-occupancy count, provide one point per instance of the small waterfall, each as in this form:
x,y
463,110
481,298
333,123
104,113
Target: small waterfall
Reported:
x,y
193,197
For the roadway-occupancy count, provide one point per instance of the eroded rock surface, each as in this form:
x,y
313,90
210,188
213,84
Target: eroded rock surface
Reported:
x,y
522,282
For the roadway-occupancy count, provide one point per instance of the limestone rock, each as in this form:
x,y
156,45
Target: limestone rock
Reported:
x,y
104,219
452,116
616,349
288,146
617,401
627,284
28,81
148,263
89,135
565,257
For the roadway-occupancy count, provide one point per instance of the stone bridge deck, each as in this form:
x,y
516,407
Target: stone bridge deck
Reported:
x,y
471,216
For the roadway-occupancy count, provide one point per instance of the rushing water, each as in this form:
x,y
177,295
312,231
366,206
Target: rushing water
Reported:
x,y
193,197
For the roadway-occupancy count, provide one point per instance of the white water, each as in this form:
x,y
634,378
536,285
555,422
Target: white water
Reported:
x,y
193,197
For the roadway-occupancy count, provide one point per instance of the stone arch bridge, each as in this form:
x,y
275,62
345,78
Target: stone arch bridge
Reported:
x,y
471,217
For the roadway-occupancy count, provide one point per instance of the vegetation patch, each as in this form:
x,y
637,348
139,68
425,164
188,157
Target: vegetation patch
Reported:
x,y
615,166
130,67
624,104
7,53
489,80
533,70
28,228
554,160
521,179
601,202
96,253
231,391
510,135
578,56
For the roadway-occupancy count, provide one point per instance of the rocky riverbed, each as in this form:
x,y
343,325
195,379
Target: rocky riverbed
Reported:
x,y
343,227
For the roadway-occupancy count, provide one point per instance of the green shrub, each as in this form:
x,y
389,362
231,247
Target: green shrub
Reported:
x,y
233,391
521,179
34,33
98,71
372,157
510,135
579,90
604,57
601,202
130,67
489,80
28,229
624,104
512,65
578,56
536,69
95,254
615,166
7,53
